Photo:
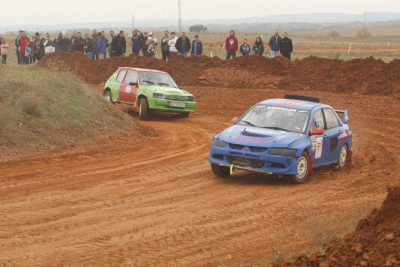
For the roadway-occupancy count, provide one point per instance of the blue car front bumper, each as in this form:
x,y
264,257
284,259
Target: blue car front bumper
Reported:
x,y
253,161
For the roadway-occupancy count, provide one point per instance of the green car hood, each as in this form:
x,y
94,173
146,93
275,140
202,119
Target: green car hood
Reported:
x,y
164,90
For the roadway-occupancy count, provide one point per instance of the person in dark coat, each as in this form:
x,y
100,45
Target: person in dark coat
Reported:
x,y
62,43
286,46
17,47
78,44
110,49
274,44
245,48
197,46
136,42
119,44
183,45
165,47
258,47
89,46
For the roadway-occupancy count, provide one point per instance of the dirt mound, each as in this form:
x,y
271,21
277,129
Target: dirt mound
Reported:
x,y
387,81
367,75
184,70
375,242
323,74
41,110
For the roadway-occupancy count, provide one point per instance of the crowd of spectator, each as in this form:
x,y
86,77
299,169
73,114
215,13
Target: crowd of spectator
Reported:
x,y
96,45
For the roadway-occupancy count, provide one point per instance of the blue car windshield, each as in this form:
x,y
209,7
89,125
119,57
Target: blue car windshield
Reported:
x,y
156,78
277,118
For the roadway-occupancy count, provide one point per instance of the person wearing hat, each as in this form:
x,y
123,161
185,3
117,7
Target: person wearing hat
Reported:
x,y
197,46
274,44
183,45
151,44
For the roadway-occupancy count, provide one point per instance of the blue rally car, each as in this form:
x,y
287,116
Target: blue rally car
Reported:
x,y
290,136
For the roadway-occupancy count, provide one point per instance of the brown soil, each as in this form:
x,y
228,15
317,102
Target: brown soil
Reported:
x,y
153,201
368,76
375,242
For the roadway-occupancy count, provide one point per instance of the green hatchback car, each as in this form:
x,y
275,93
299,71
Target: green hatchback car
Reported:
x,y
148,90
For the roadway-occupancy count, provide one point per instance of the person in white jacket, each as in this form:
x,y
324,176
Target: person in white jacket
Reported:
x,y
151,43
171,43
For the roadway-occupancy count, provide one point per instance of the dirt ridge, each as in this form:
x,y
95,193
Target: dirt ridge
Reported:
x,y
367,75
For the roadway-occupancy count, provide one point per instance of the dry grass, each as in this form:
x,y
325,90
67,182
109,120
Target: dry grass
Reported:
x,y
41,109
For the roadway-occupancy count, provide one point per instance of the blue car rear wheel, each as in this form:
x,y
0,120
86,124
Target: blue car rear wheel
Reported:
x,y
342,158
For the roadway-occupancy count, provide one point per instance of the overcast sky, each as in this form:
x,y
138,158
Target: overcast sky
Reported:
x,y
72,11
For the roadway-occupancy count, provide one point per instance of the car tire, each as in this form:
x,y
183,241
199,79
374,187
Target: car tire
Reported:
x,y
185,114
143,109
221,171
342,158
303,170
108,96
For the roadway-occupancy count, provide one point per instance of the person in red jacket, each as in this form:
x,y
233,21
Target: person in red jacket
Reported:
x,y
231,45
23,45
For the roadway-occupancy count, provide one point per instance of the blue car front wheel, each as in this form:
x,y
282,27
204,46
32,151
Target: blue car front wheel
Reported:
x,y
221,171
303,170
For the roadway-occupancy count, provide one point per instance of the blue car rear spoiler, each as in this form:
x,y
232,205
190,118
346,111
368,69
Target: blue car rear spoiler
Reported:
x,y
343,115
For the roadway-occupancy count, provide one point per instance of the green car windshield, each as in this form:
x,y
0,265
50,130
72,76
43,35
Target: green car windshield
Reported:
x,y
277,118
156,78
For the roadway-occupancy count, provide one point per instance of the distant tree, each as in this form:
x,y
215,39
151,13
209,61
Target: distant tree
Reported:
x,y
198,28
363,33
333,34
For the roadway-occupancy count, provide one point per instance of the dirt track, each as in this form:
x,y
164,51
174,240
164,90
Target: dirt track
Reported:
x,y
155,201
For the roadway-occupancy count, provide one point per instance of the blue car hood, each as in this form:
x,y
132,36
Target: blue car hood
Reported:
x,y
253,136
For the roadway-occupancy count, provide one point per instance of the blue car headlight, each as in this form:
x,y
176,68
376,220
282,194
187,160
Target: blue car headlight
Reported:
x,y
158,96
219,143
287,152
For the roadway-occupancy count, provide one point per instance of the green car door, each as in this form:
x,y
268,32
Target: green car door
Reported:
x,y
129,87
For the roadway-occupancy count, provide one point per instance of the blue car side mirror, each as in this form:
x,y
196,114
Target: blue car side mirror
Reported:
x,y
345,118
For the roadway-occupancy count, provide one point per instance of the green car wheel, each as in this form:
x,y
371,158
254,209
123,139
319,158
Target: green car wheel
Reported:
x,y
185,114
143,109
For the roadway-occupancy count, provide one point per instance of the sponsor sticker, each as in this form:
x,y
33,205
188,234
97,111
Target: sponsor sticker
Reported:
x,y
319,142
128,90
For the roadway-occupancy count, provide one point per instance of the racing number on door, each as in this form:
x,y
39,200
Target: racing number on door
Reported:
x,y
129,87
317,142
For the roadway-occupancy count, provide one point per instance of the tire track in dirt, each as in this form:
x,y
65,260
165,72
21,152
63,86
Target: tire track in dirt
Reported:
x,y
157,203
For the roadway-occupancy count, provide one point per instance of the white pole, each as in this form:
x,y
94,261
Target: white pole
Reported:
x,y
348,52
180,15
211,54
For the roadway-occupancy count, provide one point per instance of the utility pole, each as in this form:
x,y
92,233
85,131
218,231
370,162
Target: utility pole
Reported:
x,y
180,15
365,19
